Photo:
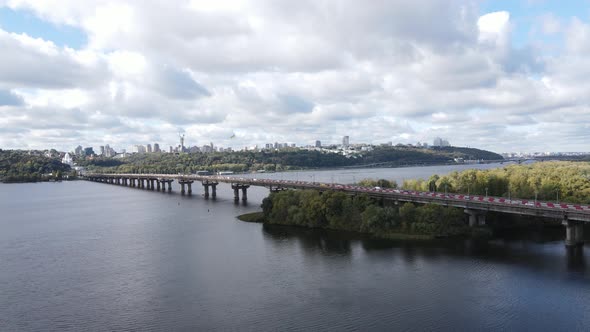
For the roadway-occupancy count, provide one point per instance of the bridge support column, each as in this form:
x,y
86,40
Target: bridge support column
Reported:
x,y
169,185
142,183
244,187
236,193
188,183
157,185
476,218
574,233
245,193
151,184
213,185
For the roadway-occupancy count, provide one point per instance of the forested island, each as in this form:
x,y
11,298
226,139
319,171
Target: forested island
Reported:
x,y
359,213
24,166
244,161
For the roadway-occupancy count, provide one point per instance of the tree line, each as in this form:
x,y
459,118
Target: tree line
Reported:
x,y
21,166
243,161
551,181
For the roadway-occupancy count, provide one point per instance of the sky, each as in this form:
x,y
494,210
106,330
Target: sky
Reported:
x,y
505,75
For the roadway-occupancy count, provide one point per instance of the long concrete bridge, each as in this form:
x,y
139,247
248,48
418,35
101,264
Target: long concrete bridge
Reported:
x,y
573,216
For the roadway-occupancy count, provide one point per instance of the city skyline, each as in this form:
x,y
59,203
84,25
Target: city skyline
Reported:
x,y
500,76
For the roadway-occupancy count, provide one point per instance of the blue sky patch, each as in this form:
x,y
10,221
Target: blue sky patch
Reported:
x,y
27,22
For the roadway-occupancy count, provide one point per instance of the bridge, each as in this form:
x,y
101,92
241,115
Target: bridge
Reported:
x,y
573,216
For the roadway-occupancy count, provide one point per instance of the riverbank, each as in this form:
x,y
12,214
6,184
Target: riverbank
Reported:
x,y
257,217
475,233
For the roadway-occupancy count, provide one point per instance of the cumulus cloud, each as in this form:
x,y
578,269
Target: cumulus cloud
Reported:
x,y
291,71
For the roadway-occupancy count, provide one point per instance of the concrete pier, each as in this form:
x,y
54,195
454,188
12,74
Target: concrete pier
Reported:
x,y
169,182
188,183
476,217
158,185
574,233
213,185
244,187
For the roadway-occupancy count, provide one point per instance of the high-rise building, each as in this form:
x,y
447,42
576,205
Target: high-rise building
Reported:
x,y
345,141
318,144
156,147
102,150
88,151
79,150
149,148
181,147
139,149
440,142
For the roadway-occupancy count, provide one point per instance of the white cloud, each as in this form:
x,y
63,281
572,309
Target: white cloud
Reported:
x,y
291,71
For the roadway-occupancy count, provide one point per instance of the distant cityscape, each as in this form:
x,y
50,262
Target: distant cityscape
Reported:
x,y
345,148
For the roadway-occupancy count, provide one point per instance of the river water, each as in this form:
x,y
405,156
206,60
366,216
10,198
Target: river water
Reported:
x,y
82,256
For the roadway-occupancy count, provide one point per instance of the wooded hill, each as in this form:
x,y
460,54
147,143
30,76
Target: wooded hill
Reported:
x,y
282,160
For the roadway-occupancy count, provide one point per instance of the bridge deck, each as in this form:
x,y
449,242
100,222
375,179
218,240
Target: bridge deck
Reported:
x,y
476,202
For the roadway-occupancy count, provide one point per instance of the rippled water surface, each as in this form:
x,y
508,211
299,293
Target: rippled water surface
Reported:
x,y
85,256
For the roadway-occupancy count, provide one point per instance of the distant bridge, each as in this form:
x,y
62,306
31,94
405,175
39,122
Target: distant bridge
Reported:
x,y
573,216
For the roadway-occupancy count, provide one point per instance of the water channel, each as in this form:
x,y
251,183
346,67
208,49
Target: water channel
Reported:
x,y
94,257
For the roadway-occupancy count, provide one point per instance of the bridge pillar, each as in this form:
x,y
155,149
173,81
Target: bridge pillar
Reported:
x,y
245,193
213,185
476,218
142,183
188,183
574,233
244,187
157,185
151,184
236,193
169,185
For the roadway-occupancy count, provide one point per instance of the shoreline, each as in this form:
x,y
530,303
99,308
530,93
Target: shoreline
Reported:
x,y
480,233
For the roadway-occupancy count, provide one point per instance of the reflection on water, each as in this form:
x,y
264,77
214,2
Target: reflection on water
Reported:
x,y
520,249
